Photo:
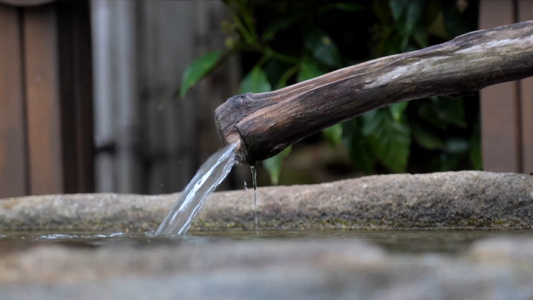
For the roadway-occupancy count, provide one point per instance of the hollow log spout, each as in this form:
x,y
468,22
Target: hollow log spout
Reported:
x,y
268,122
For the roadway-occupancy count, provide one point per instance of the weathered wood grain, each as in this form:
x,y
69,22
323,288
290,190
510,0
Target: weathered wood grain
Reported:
x,y
526,98
75,91
500,139
13,164
43,101
269,122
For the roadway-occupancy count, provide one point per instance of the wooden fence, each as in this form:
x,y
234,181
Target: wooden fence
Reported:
x,y
147,141
45,98
144,142
507,108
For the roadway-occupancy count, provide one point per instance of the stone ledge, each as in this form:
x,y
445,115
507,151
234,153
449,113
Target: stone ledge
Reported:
x,y
279,269
466,199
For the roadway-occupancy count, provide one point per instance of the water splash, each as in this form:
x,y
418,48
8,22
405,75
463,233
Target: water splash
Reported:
x,y
191,200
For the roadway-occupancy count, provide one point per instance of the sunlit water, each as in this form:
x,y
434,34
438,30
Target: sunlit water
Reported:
x,y
192,198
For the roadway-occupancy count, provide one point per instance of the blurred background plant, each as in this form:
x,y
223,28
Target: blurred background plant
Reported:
x,y
283,42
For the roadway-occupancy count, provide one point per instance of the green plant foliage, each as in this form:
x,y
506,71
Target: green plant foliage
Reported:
x,y
397,110
256,81
426,138
199,68
284,42
280,24
310,68
348,6
358,145
323,48
333,134
274,164
389,139
406,15
458,16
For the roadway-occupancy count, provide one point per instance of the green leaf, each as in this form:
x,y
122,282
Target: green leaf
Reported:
x,y
275,26
274,164
459,19
427,139
397,9
406,15
357,145
372,121
351,7
280,24
282,82
452,110
428,111
414,12
441,112
276,70
390,140
391,43
421,37
436,27
397,110
256,81
323,48
310,68
198,70
333,134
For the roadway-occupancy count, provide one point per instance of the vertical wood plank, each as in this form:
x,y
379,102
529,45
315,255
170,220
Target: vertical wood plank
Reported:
x,y
102,32
125,93
81,19
525,12
75,68
67,93
170,130
179,135
116,95
500,114
12,135
42,100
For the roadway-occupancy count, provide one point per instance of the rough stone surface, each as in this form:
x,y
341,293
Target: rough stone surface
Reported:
x,y
332,268
468,199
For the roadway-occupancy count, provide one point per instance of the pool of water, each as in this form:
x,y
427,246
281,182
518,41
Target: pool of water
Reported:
x,y
396,241
404,241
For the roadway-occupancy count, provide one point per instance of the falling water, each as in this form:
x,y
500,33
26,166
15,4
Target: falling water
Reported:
x,y
254,180
206,180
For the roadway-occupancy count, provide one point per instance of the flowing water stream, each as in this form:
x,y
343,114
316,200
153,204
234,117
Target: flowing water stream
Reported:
x,y
191,199
254,181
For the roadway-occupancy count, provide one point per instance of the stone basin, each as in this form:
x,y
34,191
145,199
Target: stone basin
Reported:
x,y
497,266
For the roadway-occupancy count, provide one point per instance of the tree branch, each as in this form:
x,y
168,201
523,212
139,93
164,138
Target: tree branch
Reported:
x,y
269,122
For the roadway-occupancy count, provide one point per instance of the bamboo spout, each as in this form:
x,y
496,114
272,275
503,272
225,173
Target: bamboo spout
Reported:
x,y
269,122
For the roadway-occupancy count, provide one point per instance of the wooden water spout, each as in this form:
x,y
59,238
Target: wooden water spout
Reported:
x,y
269,122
